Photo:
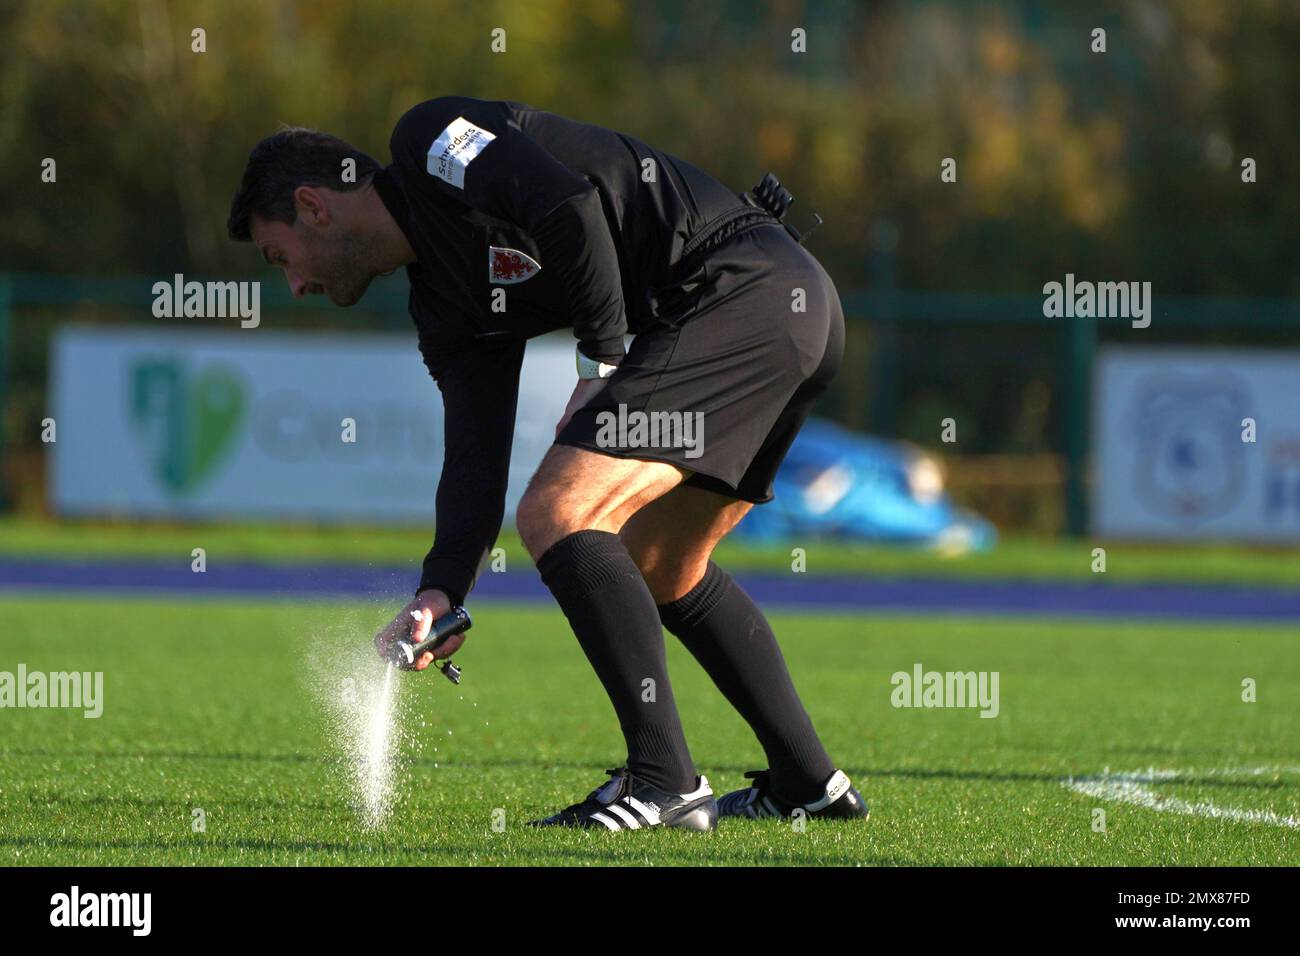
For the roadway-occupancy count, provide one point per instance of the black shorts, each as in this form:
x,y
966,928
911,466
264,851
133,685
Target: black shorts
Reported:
x,y
748,334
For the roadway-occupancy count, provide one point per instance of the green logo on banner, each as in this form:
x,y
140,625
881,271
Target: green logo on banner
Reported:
x,y
189,421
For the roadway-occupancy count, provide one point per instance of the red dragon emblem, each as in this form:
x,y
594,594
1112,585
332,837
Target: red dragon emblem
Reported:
x,y
507,266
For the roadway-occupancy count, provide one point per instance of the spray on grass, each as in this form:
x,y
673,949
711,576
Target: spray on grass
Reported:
x,y
360,696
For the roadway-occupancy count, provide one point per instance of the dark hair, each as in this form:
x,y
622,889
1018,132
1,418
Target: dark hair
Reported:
x,y
282,162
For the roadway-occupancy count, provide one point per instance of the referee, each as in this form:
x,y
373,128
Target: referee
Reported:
x,y
513,222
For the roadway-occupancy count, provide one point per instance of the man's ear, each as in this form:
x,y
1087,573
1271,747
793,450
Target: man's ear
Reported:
x,y
309,202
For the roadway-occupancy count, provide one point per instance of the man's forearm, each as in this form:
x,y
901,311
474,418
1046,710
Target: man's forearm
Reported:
x,y
479,389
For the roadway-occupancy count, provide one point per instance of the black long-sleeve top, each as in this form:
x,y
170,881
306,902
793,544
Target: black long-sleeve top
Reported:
x,y
577,224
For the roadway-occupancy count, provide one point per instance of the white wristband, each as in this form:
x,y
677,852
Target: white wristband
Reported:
x,y
590,368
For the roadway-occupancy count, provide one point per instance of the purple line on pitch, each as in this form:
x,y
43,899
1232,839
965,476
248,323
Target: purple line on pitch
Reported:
x,y
840,592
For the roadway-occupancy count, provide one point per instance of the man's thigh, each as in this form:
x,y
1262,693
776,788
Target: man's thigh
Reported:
x,y
579,490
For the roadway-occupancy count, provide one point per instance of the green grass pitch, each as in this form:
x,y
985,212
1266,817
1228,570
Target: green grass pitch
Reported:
x,y
214,705
1013,558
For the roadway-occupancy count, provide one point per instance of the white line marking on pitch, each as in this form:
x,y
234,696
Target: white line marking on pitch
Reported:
x,y
1132,788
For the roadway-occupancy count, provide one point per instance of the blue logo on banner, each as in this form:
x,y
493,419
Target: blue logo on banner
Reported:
x,y
1282,479
1190,464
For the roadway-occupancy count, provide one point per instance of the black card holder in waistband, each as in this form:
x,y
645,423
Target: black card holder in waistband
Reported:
x,y
770,196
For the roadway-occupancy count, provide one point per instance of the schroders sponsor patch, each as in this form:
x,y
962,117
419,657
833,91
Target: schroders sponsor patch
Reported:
x,y
454,149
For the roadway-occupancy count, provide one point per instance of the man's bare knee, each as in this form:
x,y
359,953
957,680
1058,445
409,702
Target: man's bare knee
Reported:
x,y
576,490
536,518
665,563
672,538
669,579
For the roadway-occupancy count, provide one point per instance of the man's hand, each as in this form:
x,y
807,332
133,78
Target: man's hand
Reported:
x,y
413,622
582,393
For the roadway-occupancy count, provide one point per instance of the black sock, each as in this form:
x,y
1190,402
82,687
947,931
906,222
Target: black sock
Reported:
x,y
613,615
727,633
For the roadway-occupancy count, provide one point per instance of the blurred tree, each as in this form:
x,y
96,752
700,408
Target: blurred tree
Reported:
x,y
1123,164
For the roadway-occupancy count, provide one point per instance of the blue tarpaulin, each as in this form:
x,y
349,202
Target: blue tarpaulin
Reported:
x,y
842,484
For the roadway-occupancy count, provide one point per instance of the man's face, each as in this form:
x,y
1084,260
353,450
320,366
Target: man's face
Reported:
x,y
318,253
